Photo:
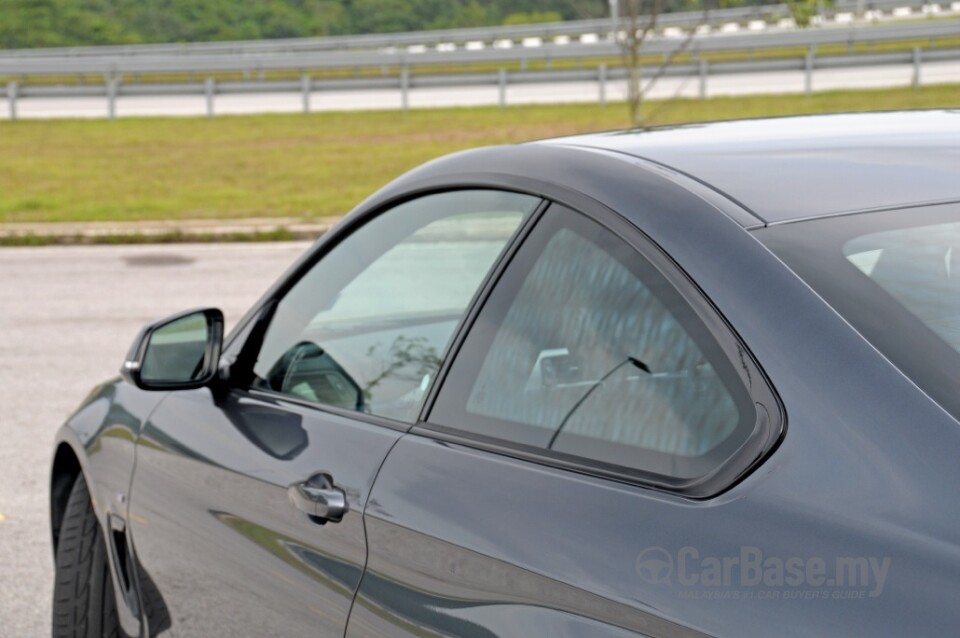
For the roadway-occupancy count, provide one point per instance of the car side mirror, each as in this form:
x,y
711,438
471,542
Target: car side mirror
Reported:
x,y
180,352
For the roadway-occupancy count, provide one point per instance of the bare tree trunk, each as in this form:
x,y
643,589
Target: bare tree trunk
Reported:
x,y
639,20
637,25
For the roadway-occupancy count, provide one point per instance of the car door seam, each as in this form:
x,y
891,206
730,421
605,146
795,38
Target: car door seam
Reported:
x,y
366,537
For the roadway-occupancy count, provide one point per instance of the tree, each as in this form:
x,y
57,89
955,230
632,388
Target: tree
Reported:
x,y
637,21
35,23
803,11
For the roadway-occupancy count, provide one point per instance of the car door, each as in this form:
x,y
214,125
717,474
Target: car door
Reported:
x,y
245,507
594,404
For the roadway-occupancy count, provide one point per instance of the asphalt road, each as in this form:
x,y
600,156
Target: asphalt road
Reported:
x,y
67,317
734,84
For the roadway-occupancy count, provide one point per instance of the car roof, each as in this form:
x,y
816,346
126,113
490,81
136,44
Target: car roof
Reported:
x,y
789,168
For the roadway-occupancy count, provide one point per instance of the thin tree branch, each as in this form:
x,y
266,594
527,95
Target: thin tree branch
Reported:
x,y
668,60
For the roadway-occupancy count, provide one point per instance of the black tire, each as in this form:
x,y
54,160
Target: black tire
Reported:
x,y
84,605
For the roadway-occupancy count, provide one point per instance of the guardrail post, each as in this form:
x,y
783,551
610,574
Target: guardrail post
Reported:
x,y
209,88
917,62
112,86
704,69
306,84
12,99
404,88
808,71
503,88
602,82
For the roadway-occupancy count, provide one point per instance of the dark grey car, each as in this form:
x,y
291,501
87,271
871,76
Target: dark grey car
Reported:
x,y
699,381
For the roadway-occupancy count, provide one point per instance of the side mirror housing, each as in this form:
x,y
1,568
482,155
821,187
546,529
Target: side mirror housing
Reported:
x,y
180,352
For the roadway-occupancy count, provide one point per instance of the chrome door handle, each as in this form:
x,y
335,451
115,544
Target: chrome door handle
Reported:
x,y
319,497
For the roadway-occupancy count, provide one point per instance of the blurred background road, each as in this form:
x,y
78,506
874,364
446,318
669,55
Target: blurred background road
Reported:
x,y
67,317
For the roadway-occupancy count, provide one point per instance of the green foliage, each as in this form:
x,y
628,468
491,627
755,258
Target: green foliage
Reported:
x,y
533,17
52,23
55,23
470,14
804,10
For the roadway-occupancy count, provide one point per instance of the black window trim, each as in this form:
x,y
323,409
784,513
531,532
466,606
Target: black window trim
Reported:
x,y
770,421
278,399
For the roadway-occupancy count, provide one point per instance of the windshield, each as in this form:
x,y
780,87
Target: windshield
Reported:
x,y
895,276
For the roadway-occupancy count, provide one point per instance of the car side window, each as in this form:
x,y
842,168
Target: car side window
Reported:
x,y
586,350
366,327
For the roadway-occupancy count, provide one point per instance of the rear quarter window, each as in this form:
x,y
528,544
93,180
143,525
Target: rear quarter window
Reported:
x,y
584,350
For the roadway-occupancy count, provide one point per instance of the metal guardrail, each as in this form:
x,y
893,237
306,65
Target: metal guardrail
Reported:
x,y
809,63
700,70
122,74
455,37
112,67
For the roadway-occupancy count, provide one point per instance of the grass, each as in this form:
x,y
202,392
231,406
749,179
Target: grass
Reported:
x,y
311,166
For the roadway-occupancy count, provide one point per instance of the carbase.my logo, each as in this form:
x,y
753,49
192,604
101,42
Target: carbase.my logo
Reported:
x,y
655,565
751,569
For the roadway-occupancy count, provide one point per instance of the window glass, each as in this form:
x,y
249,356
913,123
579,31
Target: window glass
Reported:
x,y
895,276
366,327
920,268
176,351
585,349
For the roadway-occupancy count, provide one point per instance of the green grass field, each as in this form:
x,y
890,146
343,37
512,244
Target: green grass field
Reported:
x,y
310,166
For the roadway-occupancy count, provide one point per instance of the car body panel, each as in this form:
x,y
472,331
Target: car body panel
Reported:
x,y
213,526
103,432
99,440
840,486
791,168
576,547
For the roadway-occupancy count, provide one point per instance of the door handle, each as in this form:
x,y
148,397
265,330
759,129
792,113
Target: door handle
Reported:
x,y
319,497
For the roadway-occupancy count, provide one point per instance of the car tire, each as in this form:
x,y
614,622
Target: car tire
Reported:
x,y
84,605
